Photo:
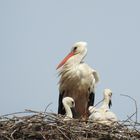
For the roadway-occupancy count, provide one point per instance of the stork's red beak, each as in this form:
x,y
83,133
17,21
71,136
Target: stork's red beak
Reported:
x,y
65,59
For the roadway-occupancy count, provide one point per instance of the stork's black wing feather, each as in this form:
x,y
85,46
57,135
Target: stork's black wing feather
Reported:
x,y
91,99
61,109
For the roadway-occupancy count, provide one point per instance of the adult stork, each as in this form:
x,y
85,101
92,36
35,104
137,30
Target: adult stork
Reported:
x,y
77,80
103,114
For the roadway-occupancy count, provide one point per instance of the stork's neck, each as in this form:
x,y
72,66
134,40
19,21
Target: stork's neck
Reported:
x,y
68,111
105,102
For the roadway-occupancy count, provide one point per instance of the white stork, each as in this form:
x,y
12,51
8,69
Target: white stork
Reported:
x,y
77,80
68,104
103,114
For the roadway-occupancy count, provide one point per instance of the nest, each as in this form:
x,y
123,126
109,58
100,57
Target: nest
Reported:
x,y
50,126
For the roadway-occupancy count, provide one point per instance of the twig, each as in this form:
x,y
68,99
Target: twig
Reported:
x,y
13,114
32,111
43,136
136,108
13,134
63,133
134,126
47,107
98,103
128,118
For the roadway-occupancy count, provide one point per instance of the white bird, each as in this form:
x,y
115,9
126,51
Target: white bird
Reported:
x,y
68,104
77,80
103,114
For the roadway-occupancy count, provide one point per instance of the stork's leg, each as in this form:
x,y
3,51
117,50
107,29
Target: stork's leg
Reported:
x,y
91,99
61,109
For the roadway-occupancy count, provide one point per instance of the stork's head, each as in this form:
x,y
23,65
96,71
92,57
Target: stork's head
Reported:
x,y
79,48
108,95
68,101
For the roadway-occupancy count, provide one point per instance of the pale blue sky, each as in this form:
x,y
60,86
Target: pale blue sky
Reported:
x,y
36,35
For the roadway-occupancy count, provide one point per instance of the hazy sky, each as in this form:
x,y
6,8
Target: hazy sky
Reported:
x,y
35,35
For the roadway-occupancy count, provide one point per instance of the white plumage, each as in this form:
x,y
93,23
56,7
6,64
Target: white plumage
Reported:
x,y
103,114
68,103
77,80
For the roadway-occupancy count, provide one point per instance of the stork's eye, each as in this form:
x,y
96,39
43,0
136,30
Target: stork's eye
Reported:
x,y
75,48
72,103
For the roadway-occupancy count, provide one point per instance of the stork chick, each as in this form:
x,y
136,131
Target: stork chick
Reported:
x,y
103,114
68,103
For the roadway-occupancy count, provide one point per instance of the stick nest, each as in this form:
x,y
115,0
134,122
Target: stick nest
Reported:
x,y
50,126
